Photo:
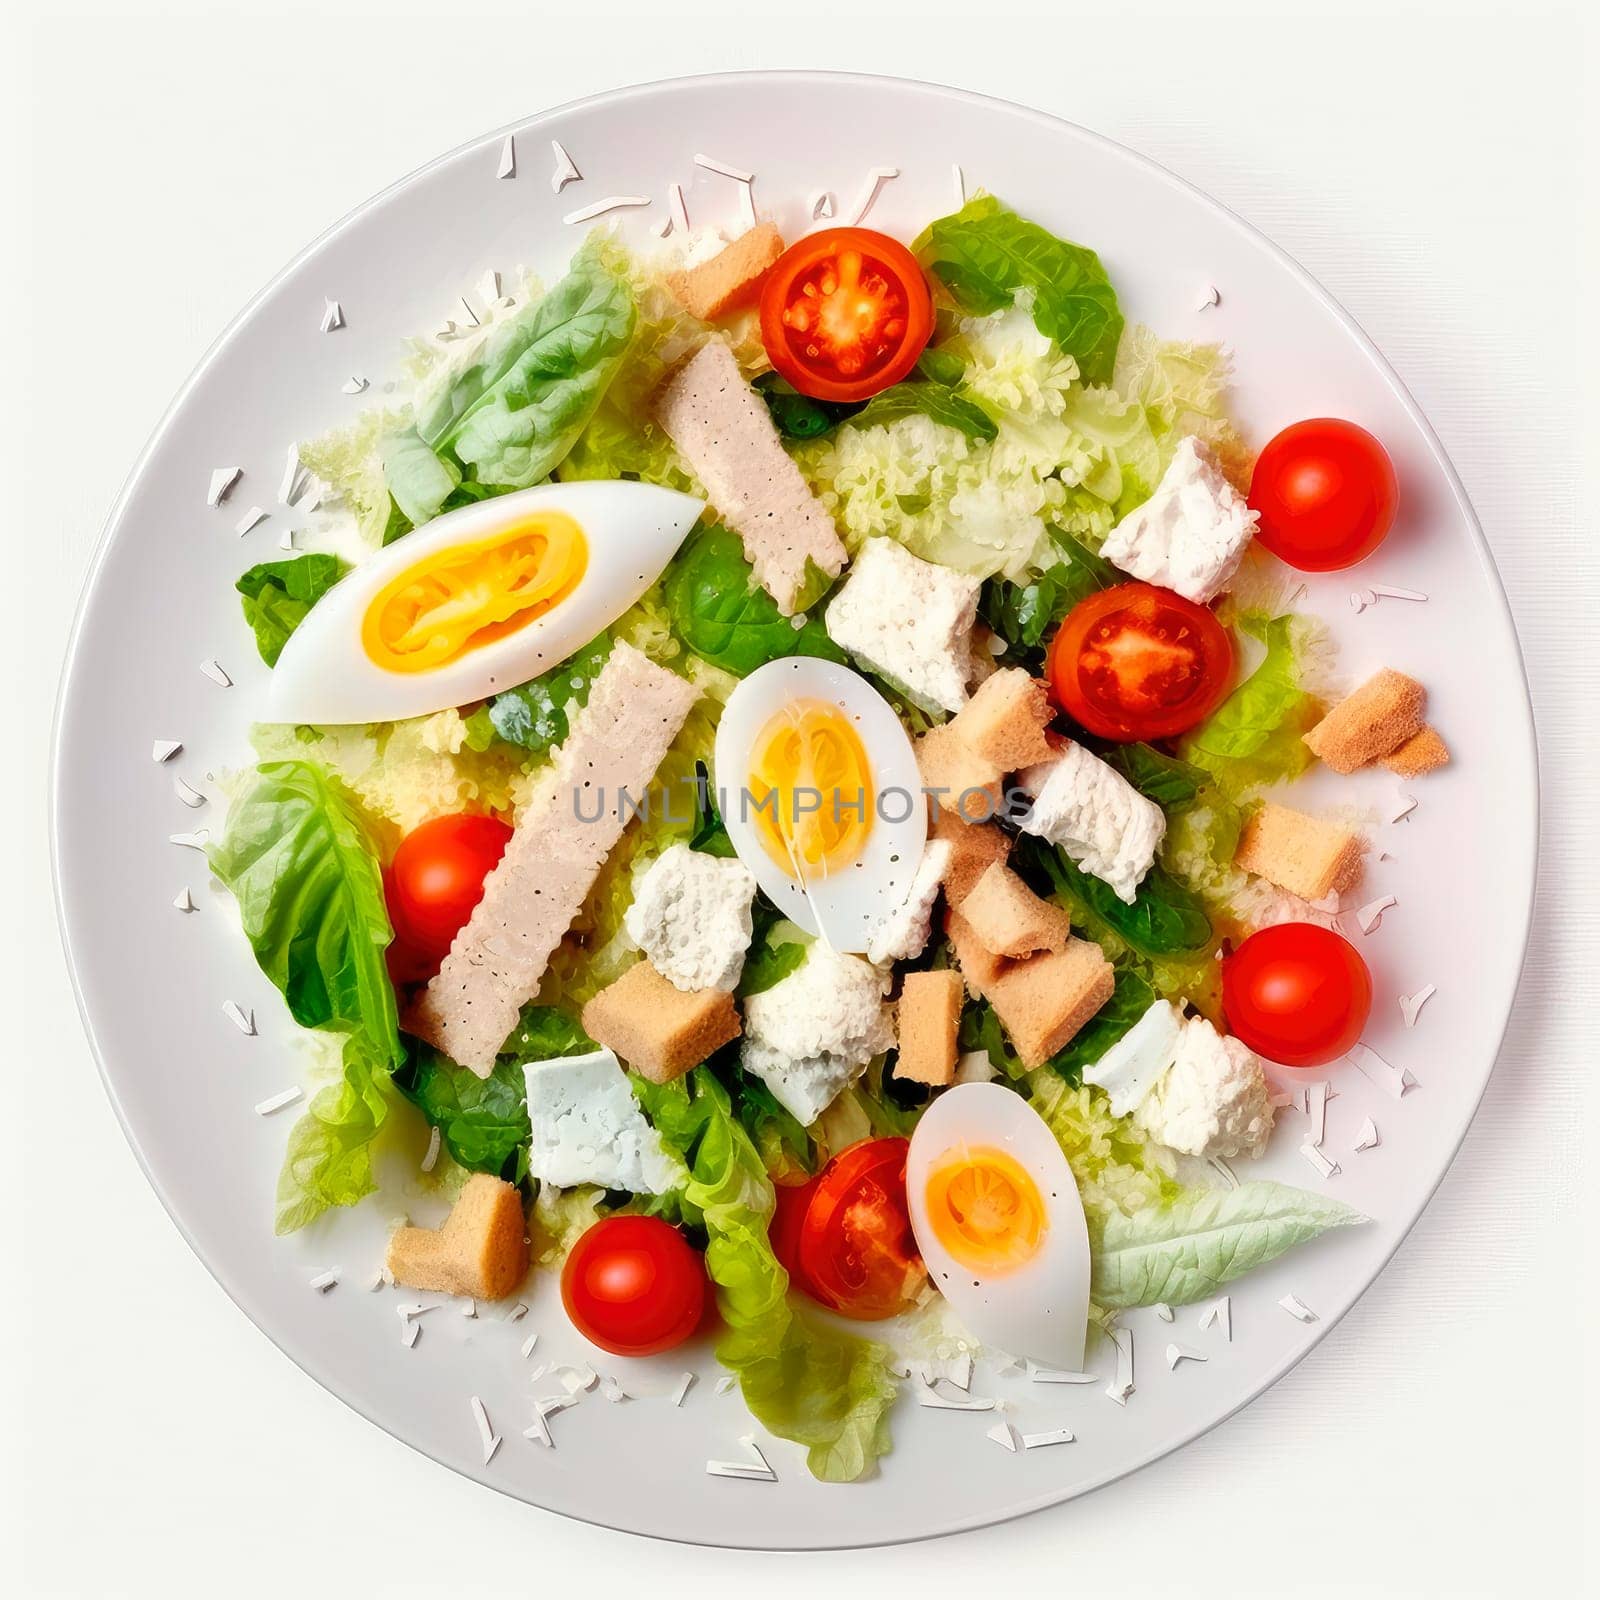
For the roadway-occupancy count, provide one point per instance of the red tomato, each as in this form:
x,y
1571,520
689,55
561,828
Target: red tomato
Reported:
x,y
434,881
1296,993
1138,662
845,313
1326,492
857,1255
794,1200
633,1286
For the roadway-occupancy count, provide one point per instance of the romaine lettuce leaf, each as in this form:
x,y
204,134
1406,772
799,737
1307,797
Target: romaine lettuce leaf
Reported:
x,y
278,595
1188,1249
303,866
984,253
825,1390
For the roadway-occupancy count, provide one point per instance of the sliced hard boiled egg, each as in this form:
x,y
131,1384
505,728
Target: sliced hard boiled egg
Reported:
x,y
997,1217
818,788
481,600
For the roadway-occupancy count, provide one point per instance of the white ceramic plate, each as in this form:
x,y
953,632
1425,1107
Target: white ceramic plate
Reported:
x,y
159,601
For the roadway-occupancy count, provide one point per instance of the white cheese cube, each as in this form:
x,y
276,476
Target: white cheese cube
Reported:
x,y
691,916
1093,813
910,621
1190,534
815,1031
588,1128
1133,1064
1212,1101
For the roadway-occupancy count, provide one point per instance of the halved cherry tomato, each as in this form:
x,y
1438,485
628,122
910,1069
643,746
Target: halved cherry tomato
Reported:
x,y
1297,993
788,1217
1138,662
1326,491
633,1286
845,313
431,886
857,1254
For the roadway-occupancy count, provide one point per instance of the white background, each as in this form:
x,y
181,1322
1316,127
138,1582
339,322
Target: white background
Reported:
x,y
1426,163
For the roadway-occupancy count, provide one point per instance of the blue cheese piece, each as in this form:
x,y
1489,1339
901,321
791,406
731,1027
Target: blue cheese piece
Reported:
x,y
1133,1065
1190,534
691,916
909,620
1212,1101
588,1128
814,1032
1088,809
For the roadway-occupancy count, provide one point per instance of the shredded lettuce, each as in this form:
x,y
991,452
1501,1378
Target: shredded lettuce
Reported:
x,y
1116,1167
825,1390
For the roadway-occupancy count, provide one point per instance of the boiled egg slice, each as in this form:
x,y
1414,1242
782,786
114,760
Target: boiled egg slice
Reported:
x,y
481,600
819,790
997,1217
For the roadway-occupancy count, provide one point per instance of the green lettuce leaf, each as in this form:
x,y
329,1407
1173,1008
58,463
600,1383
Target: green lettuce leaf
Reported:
x,y
936,401
303,866
1130,999
984,253
1026,615
328,1160
725,617
798,416
509,419
1188,1250
278,595
420,482
828,1391
1254,738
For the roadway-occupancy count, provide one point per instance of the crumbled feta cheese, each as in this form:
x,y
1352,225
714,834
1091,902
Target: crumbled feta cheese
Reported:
x,y
1190,534
691,916
814,1031
1213,1100
1128,1069
903,933
1093,813
909,620
588,1128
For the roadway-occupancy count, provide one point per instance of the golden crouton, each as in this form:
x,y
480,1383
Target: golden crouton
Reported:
x,y
1302,854
732,277
480,1250
659,1030
959,781
1010,919
980,966
1384,712
973,849
1421,753
1043,1001
929,1018
1005,720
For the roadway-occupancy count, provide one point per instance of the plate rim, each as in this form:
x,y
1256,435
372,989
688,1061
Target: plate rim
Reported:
x,y
93,573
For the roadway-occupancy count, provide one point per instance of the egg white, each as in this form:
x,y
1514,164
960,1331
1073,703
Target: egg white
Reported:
x,y
1040,1309
844,906
325,675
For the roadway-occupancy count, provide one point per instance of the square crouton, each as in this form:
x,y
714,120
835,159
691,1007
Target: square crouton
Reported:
x,y
1043,1001
973,850
929,1016
481,1249
659,1030
980,966
1005,720
1422,752
731,277
1384,712
1305,855
959,781
1010,919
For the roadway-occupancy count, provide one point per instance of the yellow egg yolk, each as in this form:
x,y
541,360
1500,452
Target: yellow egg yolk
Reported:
x,y
811,789
469,595
985,1209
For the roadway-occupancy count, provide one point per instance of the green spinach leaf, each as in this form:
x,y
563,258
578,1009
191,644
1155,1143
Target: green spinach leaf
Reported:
x,y
1026,615
936,401
537,714
798,416
1129,1001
